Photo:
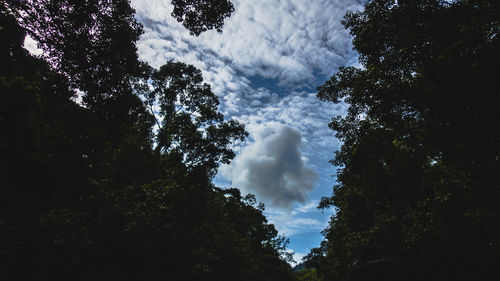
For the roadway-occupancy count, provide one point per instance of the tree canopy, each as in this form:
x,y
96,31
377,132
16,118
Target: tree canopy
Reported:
x,y
202,15
191,126
119,185
418,182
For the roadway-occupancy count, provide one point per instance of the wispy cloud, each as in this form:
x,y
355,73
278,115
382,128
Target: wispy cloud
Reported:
x,y
290,223
306,208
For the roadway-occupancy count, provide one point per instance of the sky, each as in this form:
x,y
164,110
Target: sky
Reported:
x,y
265,67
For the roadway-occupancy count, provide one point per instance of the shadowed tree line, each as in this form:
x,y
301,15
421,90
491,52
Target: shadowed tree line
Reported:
x,y
418,190
117,186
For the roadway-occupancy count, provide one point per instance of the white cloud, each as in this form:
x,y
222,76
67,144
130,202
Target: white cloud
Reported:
x,y
306,208
292,40
291,223
304,223
297,257
32,46
272,167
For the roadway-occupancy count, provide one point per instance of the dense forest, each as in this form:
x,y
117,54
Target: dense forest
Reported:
x,y
107,163
107,188
418,192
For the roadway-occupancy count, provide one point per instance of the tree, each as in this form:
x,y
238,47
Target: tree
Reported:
x,y
202,15
42,150
89,191
191,126
92,42
418,166
307,274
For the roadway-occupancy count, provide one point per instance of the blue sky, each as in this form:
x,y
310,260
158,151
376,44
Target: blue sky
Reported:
x,y
265,67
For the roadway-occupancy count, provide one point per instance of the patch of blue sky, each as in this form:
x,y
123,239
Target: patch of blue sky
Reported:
x,y
271,84
283,88
303,242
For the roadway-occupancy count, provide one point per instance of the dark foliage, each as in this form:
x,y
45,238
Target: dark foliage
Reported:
x,y
202,15
191,128
90,191
91,42
419,183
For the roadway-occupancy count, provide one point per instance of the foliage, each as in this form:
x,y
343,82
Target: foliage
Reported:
x,y
91,42
202,15
90,191
191,125
418,178
307,274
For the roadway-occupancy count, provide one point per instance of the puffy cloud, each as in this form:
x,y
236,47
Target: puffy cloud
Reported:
x,y
272,167
285,39
304,113
290,40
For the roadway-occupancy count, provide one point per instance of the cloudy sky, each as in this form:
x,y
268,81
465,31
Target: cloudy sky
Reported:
x,y
265,67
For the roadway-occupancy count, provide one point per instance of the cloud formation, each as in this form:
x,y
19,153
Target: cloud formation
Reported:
x,y
264,68
272,167
295,223
297,44
289,40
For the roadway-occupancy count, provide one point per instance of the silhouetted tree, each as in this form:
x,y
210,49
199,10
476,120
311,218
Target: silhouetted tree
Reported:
x,y
418,180
191,126
90,191
202,15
